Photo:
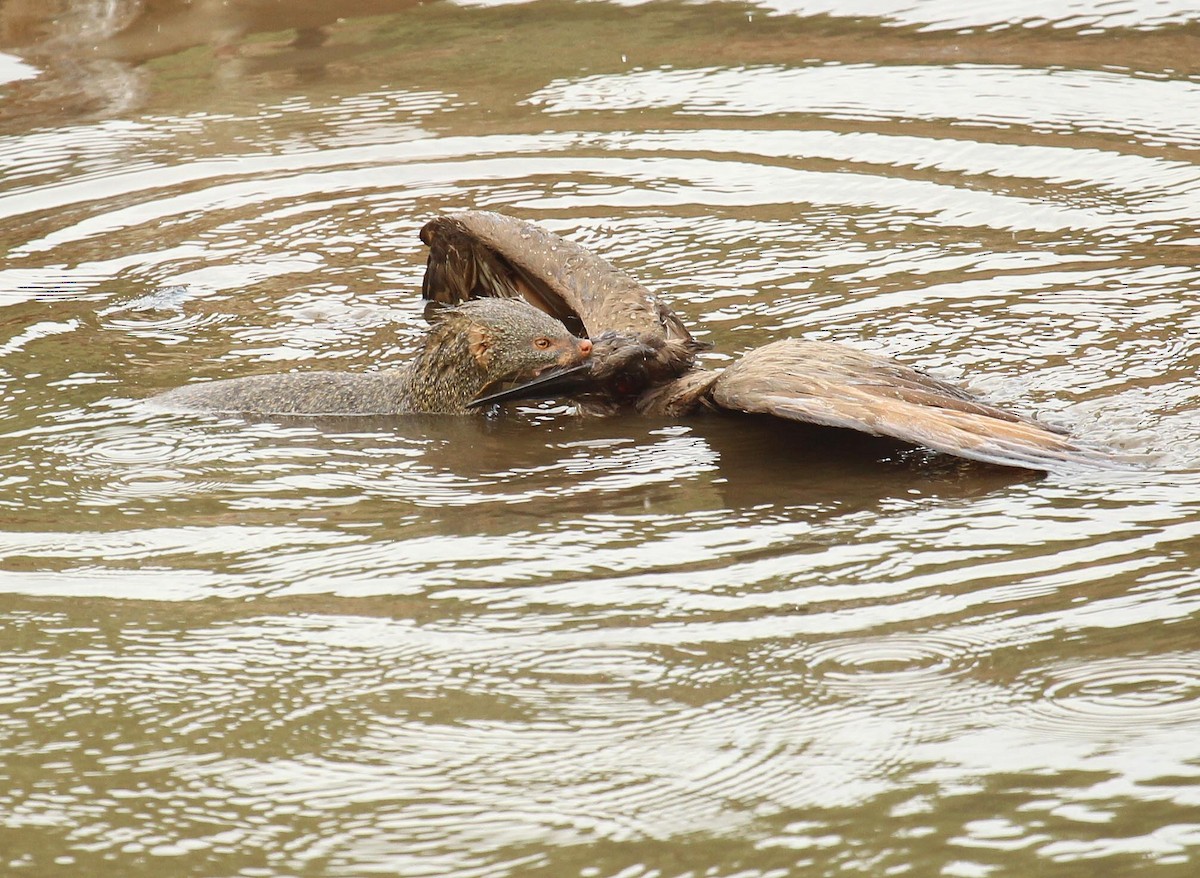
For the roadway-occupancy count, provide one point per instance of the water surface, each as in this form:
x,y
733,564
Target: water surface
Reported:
x,y
543,645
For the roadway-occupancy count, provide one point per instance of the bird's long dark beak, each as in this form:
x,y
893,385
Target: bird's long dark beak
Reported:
x,y
553,382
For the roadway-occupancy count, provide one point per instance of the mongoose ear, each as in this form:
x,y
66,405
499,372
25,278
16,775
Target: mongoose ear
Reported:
x,y
480,345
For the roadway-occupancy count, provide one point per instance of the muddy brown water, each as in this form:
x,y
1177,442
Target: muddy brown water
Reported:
x,y
540,645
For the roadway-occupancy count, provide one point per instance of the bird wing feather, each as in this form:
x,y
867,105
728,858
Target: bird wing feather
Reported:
x,y
474,254
836,386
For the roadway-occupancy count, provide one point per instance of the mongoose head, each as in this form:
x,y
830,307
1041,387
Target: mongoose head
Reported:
x,y
487,345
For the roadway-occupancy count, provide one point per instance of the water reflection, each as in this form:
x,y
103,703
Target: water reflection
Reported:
x,y
544,645
1045,101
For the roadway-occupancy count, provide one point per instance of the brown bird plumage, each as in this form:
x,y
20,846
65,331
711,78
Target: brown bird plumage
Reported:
x,y
644,357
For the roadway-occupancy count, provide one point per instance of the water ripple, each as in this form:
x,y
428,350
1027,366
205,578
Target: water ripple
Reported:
x,y
1059,101
1107,698
538,644
1087,16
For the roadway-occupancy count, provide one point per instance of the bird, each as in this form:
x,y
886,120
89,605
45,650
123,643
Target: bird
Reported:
x,y
645,360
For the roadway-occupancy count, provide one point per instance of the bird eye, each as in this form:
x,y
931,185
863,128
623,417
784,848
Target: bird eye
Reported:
x,y
542,343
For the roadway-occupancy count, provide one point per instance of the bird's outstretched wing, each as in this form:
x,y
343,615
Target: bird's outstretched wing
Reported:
x,y
475,254
836,386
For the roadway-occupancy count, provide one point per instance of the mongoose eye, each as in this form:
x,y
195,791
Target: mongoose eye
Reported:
x,y
541,343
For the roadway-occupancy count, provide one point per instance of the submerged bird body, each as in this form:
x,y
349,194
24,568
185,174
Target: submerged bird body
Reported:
x,y
471,349
644,357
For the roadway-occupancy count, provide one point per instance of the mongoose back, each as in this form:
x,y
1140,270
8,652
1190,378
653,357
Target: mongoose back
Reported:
x,y
476,347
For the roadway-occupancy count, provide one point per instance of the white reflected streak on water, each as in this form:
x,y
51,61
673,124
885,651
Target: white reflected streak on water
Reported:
x,y
1165,188
13,68
1091,16
635,182
146,582
858,572
935,15
1058,101
1065,293
854,571
660,182
148,543
113,185
109,147
1160,188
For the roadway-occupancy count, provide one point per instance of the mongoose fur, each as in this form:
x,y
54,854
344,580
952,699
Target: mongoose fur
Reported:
x,y
477,346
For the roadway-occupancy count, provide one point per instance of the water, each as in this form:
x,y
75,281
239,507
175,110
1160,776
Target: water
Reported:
x,y
541,645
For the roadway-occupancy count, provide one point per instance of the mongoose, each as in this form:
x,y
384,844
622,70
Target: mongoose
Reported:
x,y
478,346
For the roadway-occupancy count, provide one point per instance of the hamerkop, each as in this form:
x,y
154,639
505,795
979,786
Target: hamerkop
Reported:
x,y
644,359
